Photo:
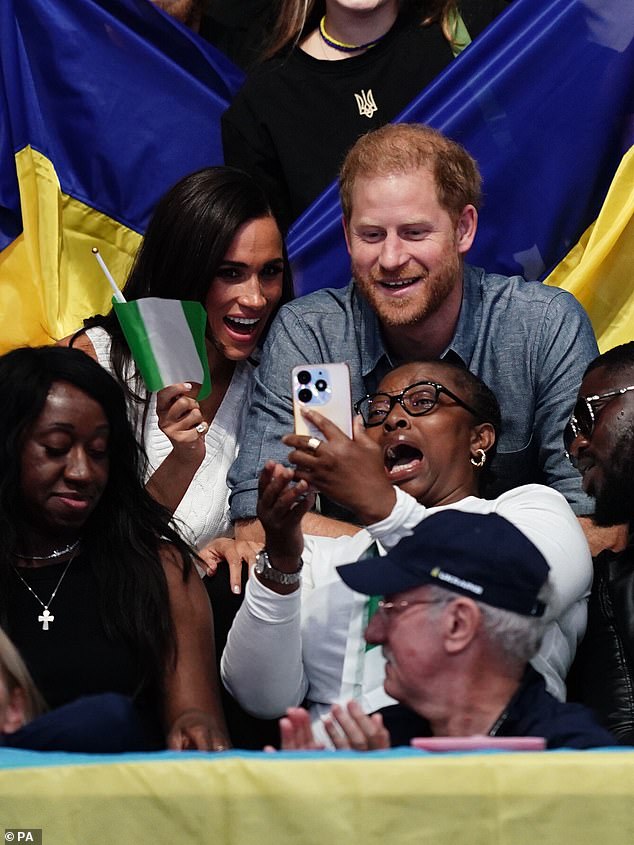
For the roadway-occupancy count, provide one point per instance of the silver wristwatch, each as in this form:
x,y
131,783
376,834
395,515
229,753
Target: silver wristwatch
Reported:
x,y
264,568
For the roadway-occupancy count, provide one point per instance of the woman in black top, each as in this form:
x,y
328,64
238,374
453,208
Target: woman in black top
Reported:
x,y
335,70
97,589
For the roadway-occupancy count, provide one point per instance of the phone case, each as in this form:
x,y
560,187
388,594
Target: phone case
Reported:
x,y
324,388
479,743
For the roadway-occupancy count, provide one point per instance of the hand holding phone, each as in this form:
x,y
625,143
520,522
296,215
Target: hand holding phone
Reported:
x,y
331,454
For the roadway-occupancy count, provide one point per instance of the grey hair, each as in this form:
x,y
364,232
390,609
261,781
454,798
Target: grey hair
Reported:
x,y
516,637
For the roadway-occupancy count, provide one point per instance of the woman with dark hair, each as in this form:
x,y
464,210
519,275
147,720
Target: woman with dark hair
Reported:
x,y
429,433
96,587
213,239
336,69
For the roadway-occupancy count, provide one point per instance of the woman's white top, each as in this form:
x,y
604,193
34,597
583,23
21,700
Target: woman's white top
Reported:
x,y
203,512
308,645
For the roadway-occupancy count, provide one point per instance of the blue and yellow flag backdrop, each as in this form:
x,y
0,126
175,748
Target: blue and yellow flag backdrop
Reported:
x,y
544,101
104,104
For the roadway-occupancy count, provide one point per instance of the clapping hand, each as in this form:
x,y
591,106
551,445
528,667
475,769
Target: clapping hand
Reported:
x,y
348,728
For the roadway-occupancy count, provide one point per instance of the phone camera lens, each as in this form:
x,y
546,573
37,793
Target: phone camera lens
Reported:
x,y
305,395
321,384
303,376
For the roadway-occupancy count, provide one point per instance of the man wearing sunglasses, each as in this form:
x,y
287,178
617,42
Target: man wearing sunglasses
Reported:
x,y
410,197
600,442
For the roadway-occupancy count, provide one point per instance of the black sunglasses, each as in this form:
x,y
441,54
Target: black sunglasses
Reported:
x,y
417,400
584,417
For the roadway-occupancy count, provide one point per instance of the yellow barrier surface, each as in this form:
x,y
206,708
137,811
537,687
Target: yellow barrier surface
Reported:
x,y
559,797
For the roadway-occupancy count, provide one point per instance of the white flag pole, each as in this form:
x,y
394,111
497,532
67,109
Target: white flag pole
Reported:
x,y
117,293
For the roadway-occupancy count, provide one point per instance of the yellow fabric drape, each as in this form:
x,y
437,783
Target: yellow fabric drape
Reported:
x,y
49,279
549,798
599,270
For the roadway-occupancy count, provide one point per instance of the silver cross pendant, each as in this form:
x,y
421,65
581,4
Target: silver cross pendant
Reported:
x,y
45,618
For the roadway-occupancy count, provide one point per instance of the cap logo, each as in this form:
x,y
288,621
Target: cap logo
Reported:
x,y
437,572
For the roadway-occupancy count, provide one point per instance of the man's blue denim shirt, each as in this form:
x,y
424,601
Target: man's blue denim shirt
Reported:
x,y
529,342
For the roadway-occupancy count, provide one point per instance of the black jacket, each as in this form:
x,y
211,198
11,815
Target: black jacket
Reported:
x,y
531,712
606,657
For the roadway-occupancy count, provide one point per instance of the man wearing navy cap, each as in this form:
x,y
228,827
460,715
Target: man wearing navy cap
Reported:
x,y
463,615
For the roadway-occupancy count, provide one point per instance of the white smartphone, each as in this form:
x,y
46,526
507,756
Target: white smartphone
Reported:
x,y
324,388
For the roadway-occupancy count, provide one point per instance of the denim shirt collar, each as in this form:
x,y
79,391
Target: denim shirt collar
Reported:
x,y
370,339
469,322
368,331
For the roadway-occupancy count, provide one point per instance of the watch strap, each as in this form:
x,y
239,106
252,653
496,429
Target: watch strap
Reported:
x,y
264,567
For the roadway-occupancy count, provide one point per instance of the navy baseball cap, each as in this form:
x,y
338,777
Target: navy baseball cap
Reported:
x,y
483,556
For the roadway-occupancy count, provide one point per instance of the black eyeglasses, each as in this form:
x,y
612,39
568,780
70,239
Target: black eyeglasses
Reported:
x,y
416,399
584,417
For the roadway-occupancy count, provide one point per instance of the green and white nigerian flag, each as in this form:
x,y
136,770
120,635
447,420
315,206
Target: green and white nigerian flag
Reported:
x,y
167,341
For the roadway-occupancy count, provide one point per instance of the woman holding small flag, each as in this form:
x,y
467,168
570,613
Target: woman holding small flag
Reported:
x,y
213,240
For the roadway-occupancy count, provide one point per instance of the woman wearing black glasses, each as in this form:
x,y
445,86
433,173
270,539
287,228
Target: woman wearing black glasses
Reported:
x,y
428,438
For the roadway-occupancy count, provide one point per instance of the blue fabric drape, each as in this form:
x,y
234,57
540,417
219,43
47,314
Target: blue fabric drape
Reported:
x,y
117,95
544,100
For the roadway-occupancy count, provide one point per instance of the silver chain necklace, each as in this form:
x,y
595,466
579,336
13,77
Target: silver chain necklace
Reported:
x,y
46,617
54,554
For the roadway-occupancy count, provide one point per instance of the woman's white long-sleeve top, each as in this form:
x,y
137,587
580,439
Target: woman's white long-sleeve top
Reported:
x,y
308,646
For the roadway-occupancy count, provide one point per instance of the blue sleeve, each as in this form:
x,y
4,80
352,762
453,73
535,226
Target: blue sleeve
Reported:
x,y
566,346
575,726
290,342
97,724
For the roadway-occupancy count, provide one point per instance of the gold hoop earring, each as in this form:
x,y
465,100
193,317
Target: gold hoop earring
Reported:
x,y
483,459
